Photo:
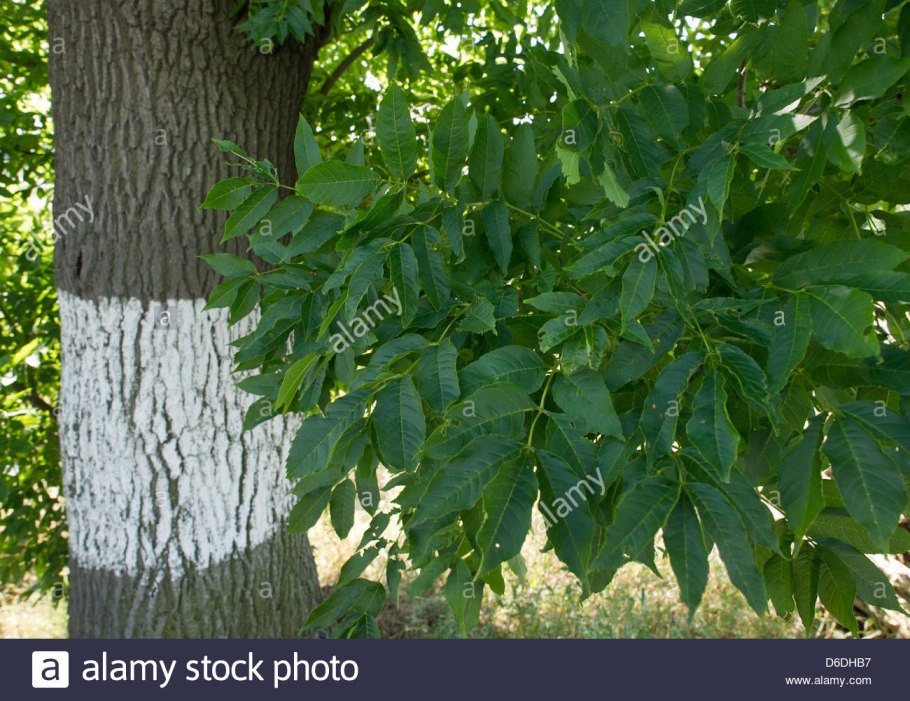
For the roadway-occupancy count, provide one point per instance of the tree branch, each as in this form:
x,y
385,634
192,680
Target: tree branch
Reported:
x,y
741,86
345,64
40,402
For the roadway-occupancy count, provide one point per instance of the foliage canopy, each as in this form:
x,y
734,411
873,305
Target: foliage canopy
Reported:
x,y
663,245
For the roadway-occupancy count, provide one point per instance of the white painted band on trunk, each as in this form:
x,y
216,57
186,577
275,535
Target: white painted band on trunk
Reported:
x,y
158,473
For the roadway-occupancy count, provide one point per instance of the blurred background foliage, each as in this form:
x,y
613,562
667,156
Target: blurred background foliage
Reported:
x,y
33,532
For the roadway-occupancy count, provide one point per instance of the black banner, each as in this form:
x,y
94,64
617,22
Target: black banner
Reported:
x,y
453,669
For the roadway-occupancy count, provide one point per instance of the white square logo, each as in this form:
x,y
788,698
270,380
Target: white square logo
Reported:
x,y
50,669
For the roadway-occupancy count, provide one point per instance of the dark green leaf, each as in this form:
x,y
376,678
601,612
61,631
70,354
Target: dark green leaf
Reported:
x,y
685,544
337,183
870,483
400,424
507,503
710,427
396,135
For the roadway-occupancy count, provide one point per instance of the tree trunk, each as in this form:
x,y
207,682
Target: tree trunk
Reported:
x,y
176,516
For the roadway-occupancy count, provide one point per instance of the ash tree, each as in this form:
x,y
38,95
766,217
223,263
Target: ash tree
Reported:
x,y
657,247
176,516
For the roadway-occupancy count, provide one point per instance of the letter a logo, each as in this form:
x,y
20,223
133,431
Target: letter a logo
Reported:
x,y
50,669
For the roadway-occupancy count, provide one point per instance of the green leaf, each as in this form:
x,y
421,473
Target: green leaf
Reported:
x,y
368,272
555,331
638,142
667,111
460,483
880,421
801,480
891,370
661,410
556,302
789,341
607,21
403,270
396,135
228,194
571,534
480,317
359,595
430,266
499,234
336,183
357,563
746,375
316,438
836,589
765,157
842,321
612,189
638,283
400,424
753,10
464,596
786,46
835,263
669,53
224,293
292,381
229,265
700,8
230,147
640,514
710,428
883,285
870,483
848,149
341,508
584,396
805,584
778,574
485,161
685,544
449,145
520,169
308,510
306,150
565,439
515,364
496,408
250,212
837,523
288,216
872,585
245,302
742,496
810,160
720,71
436,375
507,503
870,79
726,528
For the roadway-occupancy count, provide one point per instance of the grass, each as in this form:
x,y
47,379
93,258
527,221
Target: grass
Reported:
x,y
35,618
638,604
546,604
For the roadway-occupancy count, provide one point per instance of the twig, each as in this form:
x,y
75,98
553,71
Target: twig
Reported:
x,y
345,64
741,87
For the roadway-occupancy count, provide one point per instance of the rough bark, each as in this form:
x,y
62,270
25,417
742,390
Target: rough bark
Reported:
x,y
175,516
